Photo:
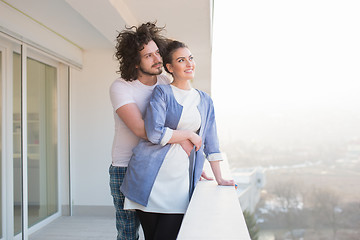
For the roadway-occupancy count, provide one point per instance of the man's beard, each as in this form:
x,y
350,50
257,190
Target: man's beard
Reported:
x,y
159,70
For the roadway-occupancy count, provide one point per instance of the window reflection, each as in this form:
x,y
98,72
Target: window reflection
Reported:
x,y
42,140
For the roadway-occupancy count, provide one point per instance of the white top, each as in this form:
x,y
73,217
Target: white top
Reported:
x,y
121,93
170,192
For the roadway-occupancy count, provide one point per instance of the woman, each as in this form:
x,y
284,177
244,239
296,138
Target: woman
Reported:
x,y
160,179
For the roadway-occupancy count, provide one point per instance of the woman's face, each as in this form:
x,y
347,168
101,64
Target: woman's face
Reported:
x,y
182,64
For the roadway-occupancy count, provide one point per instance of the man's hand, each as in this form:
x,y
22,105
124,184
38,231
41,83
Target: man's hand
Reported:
x,y
206,177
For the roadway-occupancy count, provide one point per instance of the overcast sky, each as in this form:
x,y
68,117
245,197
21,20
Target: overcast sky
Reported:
x,y
284,69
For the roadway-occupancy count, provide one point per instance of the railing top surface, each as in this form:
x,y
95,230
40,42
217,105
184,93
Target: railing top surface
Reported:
x,y
214,213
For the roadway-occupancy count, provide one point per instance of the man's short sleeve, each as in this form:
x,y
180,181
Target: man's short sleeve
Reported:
x,y
163,79
120,93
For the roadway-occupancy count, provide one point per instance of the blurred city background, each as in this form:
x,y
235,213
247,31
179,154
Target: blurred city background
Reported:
x,y
286,87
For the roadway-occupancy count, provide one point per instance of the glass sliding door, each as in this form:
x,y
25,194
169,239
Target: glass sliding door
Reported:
x,y
29,86
17,144
1,126
42,140
10,138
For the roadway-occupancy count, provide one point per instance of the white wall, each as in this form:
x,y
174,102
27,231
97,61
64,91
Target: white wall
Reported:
x,y
92,128
202,78
63,135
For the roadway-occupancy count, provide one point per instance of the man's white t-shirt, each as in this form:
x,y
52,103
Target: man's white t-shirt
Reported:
x,y
121,93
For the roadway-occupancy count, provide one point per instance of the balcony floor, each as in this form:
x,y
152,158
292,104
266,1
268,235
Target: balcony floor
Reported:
x,y
79,228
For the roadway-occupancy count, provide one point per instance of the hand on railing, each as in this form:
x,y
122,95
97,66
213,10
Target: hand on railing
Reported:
x,y
206,177
226,182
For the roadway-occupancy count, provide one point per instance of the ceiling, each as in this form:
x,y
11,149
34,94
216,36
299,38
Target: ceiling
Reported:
x,y
95,24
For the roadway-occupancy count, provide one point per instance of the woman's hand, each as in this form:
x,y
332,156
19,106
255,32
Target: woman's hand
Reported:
x,y
206,177
225,182
196,140
187,146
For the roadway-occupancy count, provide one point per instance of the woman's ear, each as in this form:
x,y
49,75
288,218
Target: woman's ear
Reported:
x,y
169,67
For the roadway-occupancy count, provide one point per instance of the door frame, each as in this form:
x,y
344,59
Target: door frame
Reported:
x,y
3,135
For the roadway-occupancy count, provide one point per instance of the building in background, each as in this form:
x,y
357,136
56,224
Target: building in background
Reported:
x,y
250,183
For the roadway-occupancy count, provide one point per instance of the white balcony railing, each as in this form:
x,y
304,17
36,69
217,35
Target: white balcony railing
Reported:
x,y
214,213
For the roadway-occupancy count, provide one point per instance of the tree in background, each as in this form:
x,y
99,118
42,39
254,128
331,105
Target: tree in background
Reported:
x,y
326,210
251,225
290,200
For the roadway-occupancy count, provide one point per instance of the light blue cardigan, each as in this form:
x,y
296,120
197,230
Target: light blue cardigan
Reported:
x,y
164,112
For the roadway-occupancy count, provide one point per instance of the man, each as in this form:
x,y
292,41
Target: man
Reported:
x,y
138,51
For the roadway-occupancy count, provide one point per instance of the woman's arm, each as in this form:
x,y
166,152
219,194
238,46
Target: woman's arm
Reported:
x,y
215,167
212,149
183,135
155,119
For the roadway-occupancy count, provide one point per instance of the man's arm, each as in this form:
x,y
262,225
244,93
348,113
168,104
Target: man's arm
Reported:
x,y
131,116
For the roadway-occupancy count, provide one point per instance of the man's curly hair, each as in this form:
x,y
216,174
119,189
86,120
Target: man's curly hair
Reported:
x,y
129,44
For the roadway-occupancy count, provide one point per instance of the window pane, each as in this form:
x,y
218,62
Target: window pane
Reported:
x,y
42,140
